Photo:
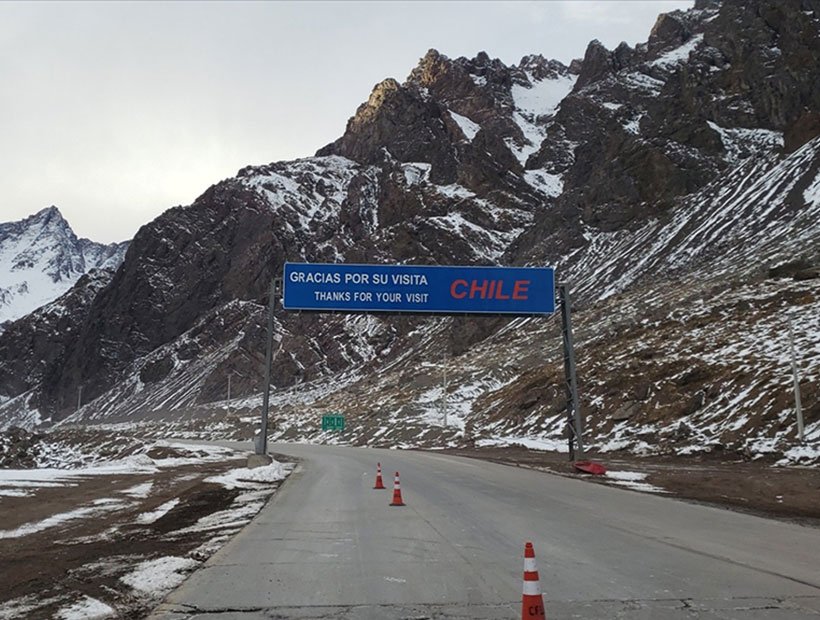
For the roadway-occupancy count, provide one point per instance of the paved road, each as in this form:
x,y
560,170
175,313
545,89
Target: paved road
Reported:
x,y
329,546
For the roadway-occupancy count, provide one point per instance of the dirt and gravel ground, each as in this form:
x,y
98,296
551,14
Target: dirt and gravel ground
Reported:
x,y
45,572
80,566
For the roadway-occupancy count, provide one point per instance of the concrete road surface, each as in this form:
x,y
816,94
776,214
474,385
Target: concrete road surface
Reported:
x,y
329,546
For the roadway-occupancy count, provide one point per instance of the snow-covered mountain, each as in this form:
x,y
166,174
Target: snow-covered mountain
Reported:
x,y
674,185
41,258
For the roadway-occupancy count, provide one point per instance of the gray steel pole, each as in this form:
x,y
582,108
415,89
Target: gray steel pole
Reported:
x,y
262,444
573,407
444,396
797,404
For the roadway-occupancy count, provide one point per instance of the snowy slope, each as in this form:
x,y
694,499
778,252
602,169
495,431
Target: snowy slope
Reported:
x,y
41,258
753,217
668,355
535,101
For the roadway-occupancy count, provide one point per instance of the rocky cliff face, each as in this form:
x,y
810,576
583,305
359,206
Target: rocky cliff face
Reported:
x,y
694,153
711,87
41,258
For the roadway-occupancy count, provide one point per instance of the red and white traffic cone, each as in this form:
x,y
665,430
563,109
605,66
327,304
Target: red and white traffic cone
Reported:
x,y
397,492
532,606
379,483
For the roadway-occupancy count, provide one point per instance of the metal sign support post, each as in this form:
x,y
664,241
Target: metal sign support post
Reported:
x,y
261,444
576,446
445,361
797,405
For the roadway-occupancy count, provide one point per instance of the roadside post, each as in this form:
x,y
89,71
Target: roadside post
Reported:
x,y
261,443
797,404
574,428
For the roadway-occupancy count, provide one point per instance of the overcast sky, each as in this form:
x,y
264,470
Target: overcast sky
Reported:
x,y
116,111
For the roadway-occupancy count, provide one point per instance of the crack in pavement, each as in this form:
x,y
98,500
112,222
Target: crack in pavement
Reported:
x,y
610,609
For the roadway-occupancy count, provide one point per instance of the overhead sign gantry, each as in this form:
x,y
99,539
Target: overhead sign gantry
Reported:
x,y
418,289
426,289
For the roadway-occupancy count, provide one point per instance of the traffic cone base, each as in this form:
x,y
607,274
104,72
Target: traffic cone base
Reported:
x,y
532,605
397,501
379,483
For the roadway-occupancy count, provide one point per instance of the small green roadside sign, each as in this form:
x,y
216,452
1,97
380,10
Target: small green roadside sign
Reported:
x,y
334,422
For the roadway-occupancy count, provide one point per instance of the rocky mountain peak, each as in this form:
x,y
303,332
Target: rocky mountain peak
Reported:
x,y
431,66
41,258
669,31
49,220
596,65
541,68
49,214
396,122
452,80
383,93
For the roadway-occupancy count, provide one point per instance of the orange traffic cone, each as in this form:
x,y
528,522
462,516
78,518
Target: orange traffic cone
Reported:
x,y
379,483
533,604
397,492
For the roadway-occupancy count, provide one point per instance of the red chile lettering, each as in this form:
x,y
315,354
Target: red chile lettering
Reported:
x,y
489,289
453,286
475,288
521,289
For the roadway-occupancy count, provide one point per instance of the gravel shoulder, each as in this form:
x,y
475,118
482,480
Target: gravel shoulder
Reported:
x,y
112,546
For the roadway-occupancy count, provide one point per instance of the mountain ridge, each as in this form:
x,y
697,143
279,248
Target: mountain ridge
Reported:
x,y
635,168
41,258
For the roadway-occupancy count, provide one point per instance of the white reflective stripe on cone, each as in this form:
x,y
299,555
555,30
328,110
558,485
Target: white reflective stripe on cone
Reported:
x,y
532,588
529,565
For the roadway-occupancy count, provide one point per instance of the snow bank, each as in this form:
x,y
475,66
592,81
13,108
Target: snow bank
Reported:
x,y
87,609
238,478
159,575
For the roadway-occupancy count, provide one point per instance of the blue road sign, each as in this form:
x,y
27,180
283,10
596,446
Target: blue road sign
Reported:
x,y
419,288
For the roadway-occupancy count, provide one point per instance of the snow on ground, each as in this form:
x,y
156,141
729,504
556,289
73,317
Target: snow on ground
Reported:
x,y
160,575
146,518
542,97
533,443
416,172
672,58
141,490
22,482
812,193
645,84
58,519
238,478
309,190
86,609
13,481
116,520
24,290
487,243
40,259
534,102
741,142
468,127
632,480
548,184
